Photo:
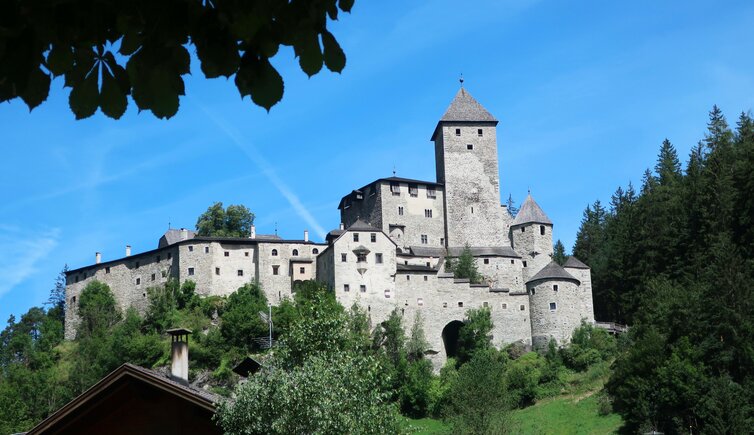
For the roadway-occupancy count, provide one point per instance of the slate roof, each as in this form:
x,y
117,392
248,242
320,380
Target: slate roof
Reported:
x,y
414,268
553,271
481,251
465,108
435,184
531,212
427,251
173,235
575,263
360,225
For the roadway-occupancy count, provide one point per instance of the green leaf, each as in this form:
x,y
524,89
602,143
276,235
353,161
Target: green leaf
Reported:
x,y
37,89
346,5
261,80
84,97
165,86
60,59
310,55
335,59
112,98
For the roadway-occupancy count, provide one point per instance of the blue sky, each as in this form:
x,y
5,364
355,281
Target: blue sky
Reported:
x,y
585,92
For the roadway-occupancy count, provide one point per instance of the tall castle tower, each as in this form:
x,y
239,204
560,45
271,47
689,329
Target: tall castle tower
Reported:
x,y
466,161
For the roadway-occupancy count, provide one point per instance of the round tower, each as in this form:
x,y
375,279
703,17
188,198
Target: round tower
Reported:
x,y
581,271
531,236
556,305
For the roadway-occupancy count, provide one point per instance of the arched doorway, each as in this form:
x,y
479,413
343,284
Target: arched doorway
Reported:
x,y
450,338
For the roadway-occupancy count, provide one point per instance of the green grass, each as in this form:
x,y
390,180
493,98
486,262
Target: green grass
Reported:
x,y
565,415
423,426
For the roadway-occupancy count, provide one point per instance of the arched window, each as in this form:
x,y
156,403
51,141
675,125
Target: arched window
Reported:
x,y
315,251
274,252
295,253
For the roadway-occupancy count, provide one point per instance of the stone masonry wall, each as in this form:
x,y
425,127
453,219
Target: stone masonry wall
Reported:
x,y
527,240
472,201
557,323
278,287
413,218
585,292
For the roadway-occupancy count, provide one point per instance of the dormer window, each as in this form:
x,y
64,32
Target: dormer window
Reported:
x,y
431,193
395,188
413,190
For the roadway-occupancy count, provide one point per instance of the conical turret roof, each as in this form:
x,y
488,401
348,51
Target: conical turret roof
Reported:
x,y
553,271
531,212
575,263
465,108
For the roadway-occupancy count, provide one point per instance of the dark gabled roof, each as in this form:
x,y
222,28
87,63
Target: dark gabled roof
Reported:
x,y
393,179
575,263
199,397
360,225
415,268
427,251
531,212
174,235
485,251
553,271
247,366
464,109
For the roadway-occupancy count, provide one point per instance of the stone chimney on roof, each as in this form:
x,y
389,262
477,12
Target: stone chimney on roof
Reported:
x,y
306,235
98,258
342,226
184,234
128,250
179,371
253,232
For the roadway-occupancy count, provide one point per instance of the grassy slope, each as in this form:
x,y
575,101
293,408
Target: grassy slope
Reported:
x,y
573,412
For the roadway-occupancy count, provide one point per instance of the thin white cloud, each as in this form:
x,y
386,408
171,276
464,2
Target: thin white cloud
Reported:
x,y
22,251
266,169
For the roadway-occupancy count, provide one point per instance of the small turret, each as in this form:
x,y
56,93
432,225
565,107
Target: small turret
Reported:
x,y
531,236
556,305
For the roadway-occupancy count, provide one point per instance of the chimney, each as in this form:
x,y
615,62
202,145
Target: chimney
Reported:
x,y
184,234
342,227
128,250
179,355
97,258
253,232
306,235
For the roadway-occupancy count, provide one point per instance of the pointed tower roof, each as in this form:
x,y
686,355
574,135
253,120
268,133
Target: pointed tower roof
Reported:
x,y
465,108
553,271
531,212
575,263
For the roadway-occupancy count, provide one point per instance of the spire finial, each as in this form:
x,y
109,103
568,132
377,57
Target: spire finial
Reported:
x,y
276,228
393,170
529,189
461,79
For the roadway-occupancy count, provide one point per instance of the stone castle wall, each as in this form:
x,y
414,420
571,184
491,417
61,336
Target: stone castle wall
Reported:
x,y
533,247
560,321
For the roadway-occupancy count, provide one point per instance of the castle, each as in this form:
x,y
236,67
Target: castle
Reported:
x,y
390,252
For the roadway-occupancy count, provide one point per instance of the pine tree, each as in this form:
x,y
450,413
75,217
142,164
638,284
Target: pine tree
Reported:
x,y
57,296
558,253
668,167
511,205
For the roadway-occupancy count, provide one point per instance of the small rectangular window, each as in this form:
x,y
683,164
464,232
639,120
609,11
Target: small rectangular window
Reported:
x,y
428,212
400,210
420,302
425,278
240,272
431,193
387,294
413,190
343,258
408,277
522,307
107,269
524,263
136,265
469,146
346,288
276,270
355,237
138,281
363,288
191,271
301,270
553,306
154,276
479,132
555,287
170,255
164,273
424,239
486,261
542,230
523,229
460,304
445,305
505,306
227,254
246,254
485,304
191,248
395,188
458,132
378,258
513,261
442,241
217,271
206,249
373,237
